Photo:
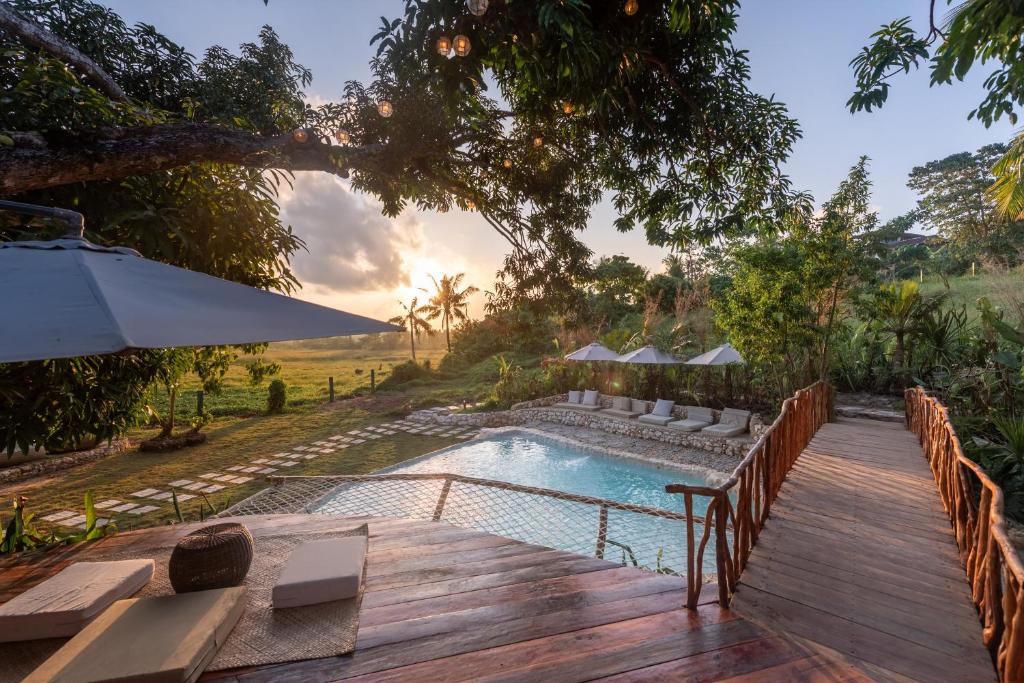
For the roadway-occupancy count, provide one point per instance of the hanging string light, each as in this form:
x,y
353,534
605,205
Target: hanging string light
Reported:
x,y
444,46
300,135
342,137
385,109
462,45
470,204
632,7
568,107
477,7
507,163
538,141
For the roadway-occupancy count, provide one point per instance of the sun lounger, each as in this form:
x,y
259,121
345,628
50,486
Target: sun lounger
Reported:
x,y
321,571
621,407
574,400
65,603
697,418
732,423
169,638
661,415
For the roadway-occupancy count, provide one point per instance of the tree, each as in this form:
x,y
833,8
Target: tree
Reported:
x,y
616,288
899,309
653,108
449,303
955,202
782,304
414,320
972,32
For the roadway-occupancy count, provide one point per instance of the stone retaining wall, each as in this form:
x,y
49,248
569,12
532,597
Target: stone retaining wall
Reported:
x,y
541,410
56,463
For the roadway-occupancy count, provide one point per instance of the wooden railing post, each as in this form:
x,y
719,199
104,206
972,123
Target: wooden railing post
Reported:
x,y
602,531
439,508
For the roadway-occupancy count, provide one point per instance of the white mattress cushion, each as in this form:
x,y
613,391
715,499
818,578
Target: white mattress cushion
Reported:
x,y
663,408
321,571
66,602
621,403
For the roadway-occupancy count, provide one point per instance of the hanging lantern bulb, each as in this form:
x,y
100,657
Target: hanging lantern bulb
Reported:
x,y
507,163
568,107
538,141
300,135
385,109
444,46
632,7
470,204
477,7
462,45
342,137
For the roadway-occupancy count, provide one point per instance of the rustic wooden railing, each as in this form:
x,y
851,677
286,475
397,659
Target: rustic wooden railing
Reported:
x,y
975,507
754,485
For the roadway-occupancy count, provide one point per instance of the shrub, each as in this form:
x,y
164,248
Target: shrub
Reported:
x,y
404,373
276,394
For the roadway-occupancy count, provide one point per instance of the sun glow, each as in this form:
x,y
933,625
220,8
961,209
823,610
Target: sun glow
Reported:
x,y
420,269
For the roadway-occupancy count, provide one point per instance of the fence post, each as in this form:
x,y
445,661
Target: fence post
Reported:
x,y
373,380
439,508
330,389
199,403
602,532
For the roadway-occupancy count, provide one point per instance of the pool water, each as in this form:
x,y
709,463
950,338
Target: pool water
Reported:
x,y
519,458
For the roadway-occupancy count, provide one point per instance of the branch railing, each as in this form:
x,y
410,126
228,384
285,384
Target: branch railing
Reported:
x,y
754,486
974,503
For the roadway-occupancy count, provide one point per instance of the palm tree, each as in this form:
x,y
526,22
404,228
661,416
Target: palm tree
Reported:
x,y
449,303
413,320
900,310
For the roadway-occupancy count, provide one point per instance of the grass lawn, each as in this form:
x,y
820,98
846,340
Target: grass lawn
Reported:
x,y
303,369
1003,289
239,438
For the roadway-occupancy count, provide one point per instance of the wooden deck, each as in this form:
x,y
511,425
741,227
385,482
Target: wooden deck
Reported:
x,y
858,561
449,604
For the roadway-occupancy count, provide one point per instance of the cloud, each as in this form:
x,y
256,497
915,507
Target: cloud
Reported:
x,y
351,246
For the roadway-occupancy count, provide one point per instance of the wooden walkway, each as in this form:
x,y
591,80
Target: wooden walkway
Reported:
x,y
858,561
450,604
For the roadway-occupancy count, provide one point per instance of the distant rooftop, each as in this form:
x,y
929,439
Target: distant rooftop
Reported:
x,y
911,238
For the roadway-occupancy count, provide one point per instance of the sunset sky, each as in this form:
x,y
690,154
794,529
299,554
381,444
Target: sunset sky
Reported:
x,y
360,261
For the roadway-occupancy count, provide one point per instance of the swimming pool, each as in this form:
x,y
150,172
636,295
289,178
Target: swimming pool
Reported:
x,y
536,461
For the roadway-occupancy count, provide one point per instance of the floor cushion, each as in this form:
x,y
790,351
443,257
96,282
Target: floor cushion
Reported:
x,y
575,397
638,406
590,397
321,571
651,418
663,408
65,603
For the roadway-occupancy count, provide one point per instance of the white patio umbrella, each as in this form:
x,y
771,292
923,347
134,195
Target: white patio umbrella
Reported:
x,y
722,355
592,351
68,297
648,355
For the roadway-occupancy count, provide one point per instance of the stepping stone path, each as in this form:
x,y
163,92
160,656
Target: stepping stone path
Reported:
x,y
242,473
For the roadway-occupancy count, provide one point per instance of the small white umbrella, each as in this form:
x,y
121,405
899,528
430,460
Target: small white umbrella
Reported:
x,y
648,355
723,355
68,297
592,352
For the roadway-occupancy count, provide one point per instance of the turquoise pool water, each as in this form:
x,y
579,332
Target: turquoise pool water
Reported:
x,y
531,460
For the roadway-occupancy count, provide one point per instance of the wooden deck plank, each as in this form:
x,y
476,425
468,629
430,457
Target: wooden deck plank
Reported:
x,y
859,559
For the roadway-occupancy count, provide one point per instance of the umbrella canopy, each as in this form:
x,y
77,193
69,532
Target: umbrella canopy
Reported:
x,y
592,351
648,355
68,297
723,355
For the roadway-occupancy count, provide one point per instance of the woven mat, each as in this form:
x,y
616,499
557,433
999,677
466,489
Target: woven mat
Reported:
x,y
263,635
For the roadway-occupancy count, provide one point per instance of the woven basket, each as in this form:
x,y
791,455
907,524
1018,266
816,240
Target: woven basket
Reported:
x,y
216,556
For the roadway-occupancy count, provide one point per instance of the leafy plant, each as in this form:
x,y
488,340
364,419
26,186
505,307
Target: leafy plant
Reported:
x,y
276,396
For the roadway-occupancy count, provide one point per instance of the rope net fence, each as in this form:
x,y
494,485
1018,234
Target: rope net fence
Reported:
x,y
650,538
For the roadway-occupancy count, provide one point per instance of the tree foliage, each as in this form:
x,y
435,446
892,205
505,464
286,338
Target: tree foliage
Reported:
x,y
449,303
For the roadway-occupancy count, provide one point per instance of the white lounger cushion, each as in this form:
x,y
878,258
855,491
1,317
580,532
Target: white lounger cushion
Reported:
x,y
663,408
732,423
638,406
652,419
590,397
65,603
575,397
321,571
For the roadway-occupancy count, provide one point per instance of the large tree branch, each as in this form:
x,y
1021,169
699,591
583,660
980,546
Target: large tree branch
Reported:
x,y
36,35
38,161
